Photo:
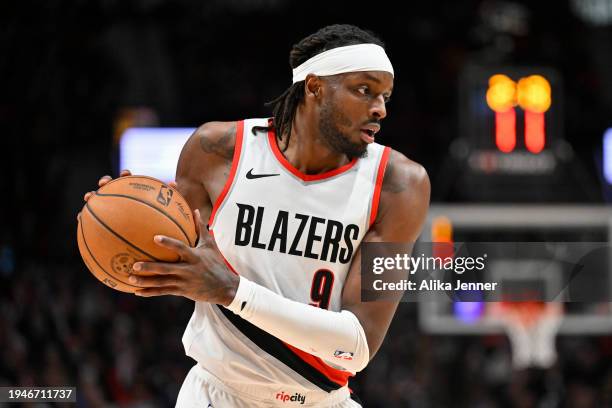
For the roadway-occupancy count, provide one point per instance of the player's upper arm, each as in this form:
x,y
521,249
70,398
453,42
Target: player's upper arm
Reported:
x,y
204,163
403,207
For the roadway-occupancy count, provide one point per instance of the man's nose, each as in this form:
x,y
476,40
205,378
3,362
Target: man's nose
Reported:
x,y
378,108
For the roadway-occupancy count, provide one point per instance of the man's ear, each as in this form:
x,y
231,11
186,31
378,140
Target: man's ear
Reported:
x,y
312,86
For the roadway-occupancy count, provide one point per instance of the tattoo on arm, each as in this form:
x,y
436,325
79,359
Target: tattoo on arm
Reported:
x,y
394,182
222,147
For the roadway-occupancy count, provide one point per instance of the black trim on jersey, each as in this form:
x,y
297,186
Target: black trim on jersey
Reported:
x,y
277,349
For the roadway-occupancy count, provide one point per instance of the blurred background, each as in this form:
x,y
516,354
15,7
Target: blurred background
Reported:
x,y
76,74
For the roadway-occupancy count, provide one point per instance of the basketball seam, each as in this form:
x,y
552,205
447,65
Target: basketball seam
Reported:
x,y
119,236
96,261
155,208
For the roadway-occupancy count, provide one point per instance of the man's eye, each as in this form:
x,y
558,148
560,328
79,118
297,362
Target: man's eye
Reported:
x,y
363,90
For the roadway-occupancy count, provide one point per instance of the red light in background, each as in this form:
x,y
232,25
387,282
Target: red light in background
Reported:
x,y
535,136
533,95
505,130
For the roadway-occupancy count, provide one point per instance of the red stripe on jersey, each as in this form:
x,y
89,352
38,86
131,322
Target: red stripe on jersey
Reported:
x,y
230,178
212,234
296,172
379,180
338,376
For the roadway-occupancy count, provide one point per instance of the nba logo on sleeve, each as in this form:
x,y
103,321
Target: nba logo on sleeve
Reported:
x,y
344,355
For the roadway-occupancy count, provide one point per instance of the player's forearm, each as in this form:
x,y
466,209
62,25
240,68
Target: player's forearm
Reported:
x,y
336,337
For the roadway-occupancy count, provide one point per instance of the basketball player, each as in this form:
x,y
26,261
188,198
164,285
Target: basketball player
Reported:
x,y
278,319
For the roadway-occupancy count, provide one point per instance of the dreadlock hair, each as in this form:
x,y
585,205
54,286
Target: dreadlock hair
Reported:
x,y
327,38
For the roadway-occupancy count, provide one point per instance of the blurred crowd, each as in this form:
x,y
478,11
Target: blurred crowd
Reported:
x,y
61,327
417,370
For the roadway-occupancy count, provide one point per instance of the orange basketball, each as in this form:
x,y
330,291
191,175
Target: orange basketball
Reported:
x,y
118,223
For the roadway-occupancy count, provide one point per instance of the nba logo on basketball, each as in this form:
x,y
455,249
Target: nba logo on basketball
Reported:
x,y
165,196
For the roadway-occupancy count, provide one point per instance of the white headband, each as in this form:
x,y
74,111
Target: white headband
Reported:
x,y
352,58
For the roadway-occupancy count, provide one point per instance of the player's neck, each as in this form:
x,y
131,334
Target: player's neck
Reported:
x,y
307,152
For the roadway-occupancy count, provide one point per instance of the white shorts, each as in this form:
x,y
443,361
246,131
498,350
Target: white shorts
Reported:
x,y
203,390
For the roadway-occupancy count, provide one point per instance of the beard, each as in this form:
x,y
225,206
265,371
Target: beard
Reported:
x,y
334,138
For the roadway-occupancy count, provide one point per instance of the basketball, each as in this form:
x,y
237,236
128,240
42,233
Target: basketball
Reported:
x,y
117,225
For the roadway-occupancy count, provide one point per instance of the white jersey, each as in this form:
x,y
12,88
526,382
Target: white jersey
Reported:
x,y
296,235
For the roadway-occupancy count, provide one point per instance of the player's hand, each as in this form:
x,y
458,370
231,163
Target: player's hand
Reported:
x,y
200,275
104,180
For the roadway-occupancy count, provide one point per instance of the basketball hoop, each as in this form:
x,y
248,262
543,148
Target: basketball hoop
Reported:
x,y
532,328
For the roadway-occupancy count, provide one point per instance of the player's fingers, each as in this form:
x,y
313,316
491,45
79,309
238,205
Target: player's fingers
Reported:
x,y
158,268
156,281
172,184
88,195
168,290
182,249
103,180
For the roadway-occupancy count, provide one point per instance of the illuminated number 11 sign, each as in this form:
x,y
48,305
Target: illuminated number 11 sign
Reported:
x,y
533,95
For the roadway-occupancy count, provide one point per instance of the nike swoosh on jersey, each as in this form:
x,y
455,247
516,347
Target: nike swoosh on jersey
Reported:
x,y
251,176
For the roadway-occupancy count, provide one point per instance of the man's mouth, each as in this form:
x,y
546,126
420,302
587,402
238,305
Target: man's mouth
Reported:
x,y
367,135
368,132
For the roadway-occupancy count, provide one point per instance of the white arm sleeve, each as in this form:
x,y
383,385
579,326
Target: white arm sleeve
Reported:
x,y
336,337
